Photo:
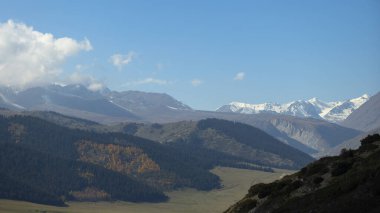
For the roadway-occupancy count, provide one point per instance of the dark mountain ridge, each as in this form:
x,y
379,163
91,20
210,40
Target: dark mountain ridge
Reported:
x,y
227,138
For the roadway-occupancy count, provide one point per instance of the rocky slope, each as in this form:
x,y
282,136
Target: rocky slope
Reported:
x,y
309,135
346,183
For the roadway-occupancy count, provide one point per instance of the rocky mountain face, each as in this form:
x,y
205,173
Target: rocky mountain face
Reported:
x,y
345,183
321,137
367,117
314,108
313,136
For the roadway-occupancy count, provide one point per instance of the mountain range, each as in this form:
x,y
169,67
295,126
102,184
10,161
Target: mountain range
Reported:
x,y
310,135
334,112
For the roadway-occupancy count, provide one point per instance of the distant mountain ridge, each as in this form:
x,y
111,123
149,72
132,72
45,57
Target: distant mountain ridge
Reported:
x,y
335,111
104,106
221,138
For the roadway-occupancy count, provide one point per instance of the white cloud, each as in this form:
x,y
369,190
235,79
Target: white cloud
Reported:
x,y
196,82
32,58
88,81
119,60
239,76
95,86
148,81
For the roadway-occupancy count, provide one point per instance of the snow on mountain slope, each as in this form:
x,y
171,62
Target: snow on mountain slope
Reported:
x,y
335,111
301,109
252,108
323,107
343,110
9,104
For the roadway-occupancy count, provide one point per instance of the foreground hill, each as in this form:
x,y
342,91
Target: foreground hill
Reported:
x,y
346,183
226,141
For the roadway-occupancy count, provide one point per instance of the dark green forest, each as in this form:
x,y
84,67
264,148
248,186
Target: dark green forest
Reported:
x,y
39,162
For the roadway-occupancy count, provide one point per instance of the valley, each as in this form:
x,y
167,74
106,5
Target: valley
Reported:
x,y
234,181
140,165
189,106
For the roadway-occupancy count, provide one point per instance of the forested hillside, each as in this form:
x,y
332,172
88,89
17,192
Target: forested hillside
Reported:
x,y
225,141
53,163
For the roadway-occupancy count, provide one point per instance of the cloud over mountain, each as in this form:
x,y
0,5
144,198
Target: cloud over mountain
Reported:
x,y
119,60
31,58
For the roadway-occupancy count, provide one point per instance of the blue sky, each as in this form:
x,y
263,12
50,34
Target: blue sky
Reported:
x,y
209,53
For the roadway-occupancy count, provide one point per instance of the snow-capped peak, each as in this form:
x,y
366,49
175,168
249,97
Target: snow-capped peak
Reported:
x,y
315,99
360,100
334,111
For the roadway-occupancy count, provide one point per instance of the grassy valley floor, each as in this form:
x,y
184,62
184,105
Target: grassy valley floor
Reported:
x,y
235,182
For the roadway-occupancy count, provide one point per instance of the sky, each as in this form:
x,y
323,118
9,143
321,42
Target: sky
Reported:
x,y
203,53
